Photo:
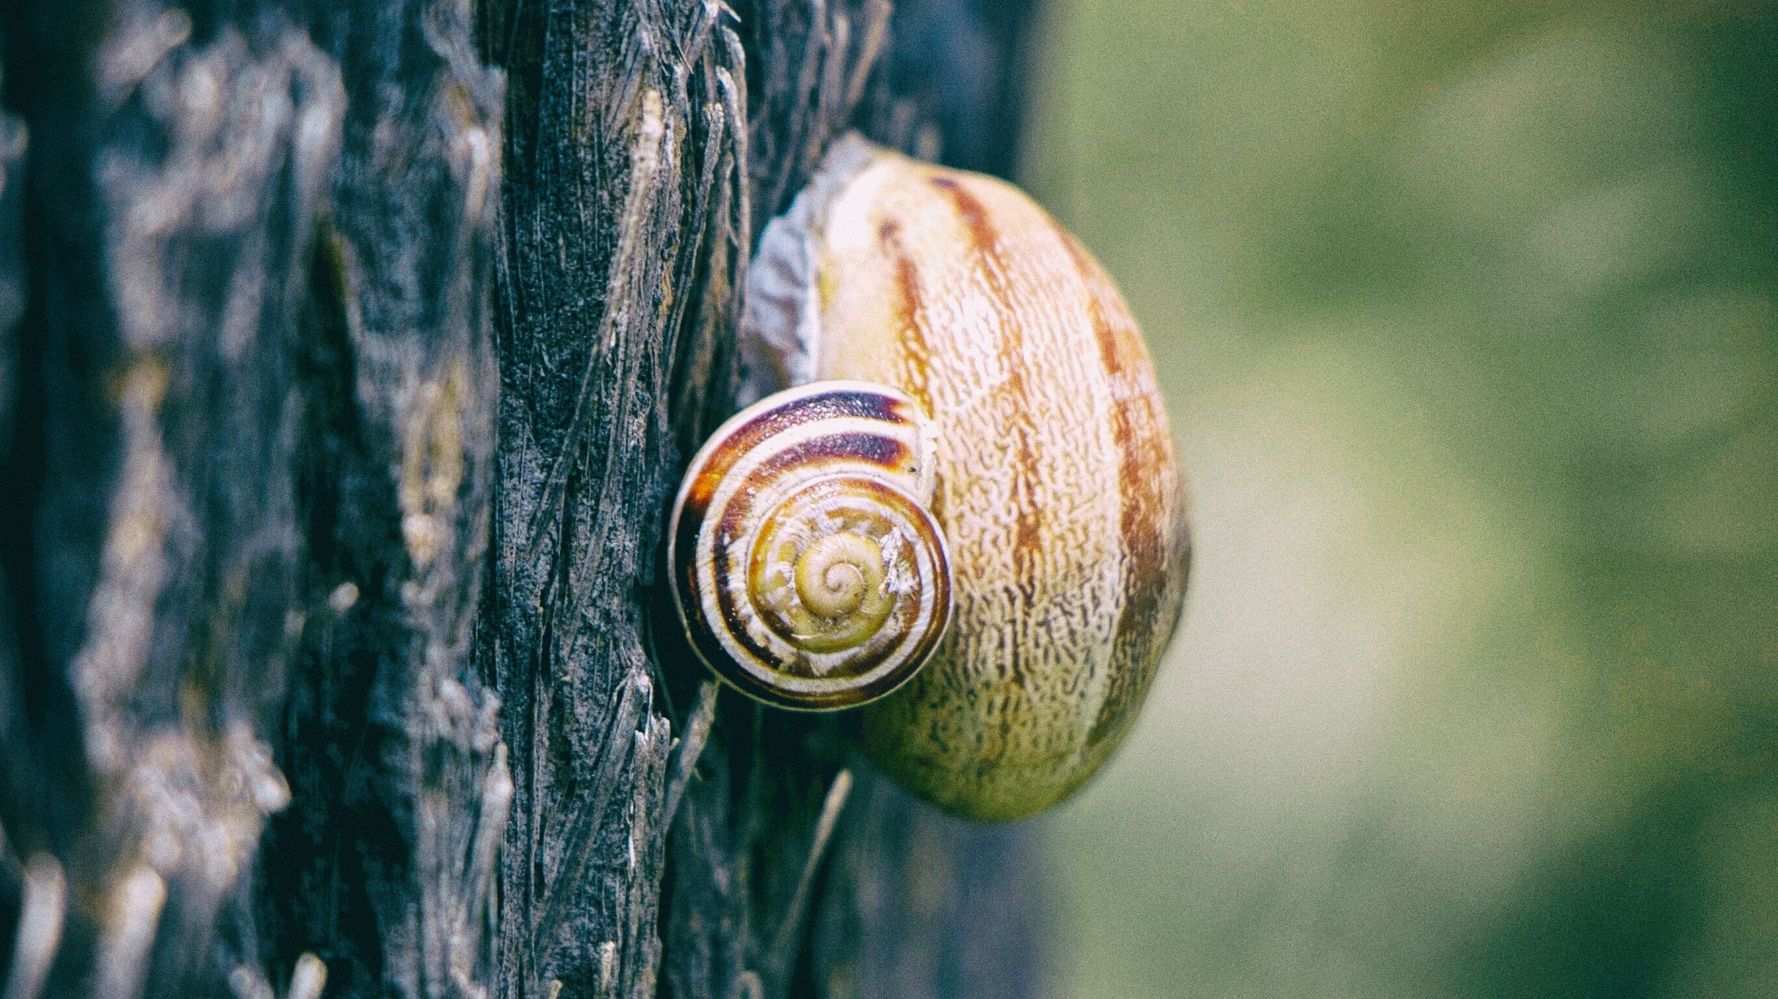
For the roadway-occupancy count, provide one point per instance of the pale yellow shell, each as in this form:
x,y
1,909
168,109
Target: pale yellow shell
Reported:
x,y
1057,485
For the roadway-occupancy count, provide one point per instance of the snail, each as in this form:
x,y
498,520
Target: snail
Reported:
x,y
933,339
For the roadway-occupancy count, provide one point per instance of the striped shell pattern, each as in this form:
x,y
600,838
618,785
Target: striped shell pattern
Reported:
x,y
1054,479
807,569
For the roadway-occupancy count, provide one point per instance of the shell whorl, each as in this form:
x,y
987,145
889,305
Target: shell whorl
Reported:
x,y
806,568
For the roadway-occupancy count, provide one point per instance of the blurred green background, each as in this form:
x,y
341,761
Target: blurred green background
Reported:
x,y
1467,314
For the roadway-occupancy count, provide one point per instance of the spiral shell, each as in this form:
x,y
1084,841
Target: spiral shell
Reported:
x,y
1057,486
806,568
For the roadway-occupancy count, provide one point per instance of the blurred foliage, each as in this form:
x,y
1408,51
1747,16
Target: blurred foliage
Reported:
x,y
1468,317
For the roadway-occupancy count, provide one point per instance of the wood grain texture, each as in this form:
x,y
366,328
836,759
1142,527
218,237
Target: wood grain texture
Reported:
x,y
384,864
253,458
622,236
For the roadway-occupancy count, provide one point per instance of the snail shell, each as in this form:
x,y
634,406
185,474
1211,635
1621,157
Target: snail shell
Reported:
x,y
806,568
1056,484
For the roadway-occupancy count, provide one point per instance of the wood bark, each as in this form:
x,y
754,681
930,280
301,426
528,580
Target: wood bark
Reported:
x,y
349,354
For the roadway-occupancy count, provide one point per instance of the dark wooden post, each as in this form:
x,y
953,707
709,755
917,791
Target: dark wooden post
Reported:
x,y
349,354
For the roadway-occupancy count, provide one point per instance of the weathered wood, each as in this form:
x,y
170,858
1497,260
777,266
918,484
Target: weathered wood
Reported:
x,y
256,459
170,192
349,354
384,863
622,246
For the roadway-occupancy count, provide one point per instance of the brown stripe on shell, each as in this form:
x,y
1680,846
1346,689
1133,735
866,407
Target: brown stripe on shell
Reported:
x,y
811,408
910,336
970,210
712,463
1153,559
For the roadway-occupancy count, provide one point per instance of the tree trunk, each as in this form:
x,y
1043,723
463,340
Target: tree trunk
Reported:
x,y
349,355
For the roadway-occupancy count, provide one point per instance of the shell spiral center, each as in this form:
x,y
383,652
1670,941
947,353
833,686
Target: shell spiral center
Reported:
x,y
835,575
807,569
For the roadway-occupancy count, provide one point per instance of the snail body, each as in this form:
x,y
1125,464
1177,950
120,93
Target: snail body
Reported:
x,y
1053,476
